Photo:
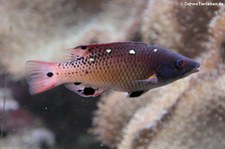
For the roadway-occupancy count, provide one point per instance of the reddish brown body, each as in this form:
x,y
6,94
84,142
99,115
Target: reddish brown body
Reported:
x,y
122,66
115,66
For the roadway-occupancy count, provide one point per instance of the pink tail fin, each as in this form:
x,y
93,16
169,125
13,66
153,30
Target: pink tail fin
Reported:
x,y
40,76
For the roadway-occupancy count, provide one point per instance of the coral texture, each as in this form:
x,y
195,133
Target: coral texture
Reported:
x,y
176,26
198,120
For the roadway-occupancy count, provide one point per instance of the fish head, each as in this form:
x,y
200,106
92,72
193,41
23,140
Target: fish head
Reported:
x,y
186,66
173,66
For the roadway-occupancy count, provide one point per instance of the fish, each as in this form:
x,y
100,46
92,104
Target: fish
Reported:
x,y
131,67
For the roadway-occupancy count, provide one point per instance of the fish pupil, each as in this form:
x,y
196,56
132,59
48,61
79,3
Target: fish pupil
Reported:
x,y
49,74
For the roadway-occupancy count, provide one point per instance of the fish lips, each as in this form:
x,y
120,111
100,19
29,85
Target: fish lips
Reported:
x,y
196,69
190,71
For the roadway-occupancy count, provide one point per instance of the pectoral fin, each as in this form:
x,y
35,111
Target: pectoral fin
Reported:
x,y
152,79
84,91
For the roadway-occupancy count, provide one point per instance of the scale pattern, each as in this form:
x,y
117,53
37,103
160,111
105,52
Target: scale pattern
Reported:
x,y
115,66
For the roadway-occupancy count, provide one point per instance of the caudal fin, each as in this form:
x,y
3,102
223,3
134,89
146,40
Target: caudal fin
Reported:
x,y
40,76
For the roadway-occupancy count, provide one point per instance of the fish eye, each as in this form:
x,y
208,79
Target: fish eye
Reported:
x,y
180,63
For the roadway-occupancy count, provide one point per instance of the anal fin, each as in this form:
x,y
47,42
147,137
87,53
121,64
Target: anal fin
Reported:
x,y
84,91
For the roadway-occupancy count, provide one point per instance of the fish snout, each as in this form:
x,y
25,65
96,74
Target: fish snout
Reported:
x,y
196,68
193,67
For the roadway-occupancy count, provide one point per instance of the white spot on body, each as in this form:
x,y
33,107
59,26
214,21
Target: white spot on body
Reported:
x,y
155,50
108,50
132,51
91,59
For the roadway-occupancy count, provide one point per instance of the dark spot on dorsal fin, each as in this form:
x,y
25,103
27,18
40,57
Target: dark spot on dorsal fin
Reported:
x,y
77,83
88,91
136,93
83,47
49,74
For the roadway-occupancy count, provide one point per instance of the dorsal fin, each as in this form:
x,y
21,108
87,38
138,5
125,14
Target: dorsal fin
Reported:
x,y
85,50
78,52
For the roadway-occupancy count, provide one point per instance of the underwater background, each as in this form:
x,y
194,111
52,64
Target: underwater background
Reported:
x,y
189,113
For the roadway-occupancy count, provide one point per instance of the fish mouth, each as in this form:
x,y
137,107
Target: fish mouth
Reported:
x,y
193,70
196,69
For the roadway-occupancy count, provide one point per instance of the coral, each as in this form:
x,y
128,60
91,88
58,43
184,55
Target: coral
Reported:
x,y
198,120
115,111
159,25
115,25
193,25
176,26
217,39
147,120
